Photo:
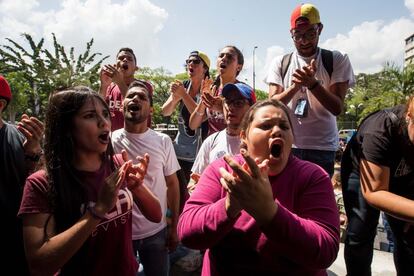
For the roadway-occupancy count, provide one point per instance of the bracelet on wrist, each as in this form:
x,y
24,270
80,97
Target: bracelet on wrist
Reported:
x,y
199,113
94,214
313,86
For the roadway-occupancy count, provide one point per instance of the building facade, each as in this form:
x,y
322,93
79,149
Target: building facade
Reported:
x,y
409,50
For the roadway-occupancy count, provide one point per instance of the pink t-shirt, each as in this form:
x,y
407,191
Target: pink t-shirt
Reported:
x,y
108,250
302,238
114,100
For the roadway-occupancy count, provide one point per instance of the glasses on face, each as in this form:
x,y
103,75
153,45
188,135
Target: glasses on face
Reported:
x,y
195,61
309,35
235,103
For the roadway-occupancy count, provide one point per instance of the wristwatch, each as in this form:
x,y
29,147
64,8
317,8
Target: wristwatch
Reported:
x,y
35,157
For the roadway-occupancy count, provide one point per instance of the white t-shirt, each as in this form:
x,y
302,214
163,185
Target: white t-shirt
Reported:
x,y
318,129
163,162
214,147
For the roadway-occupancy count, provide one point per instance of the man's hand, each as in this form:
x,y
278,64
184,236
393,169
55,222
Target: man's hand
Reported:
x,y
114,73
306,75
135,173
33,130
172,238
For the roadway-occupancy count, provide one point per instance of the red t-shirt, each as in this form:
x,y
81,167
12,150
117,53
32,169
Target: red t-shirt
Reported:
x,y
114,100
109,247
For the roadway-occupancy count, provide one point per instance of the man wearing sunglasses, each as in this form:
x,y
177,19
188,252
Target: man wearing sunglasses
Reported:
x,y
313,85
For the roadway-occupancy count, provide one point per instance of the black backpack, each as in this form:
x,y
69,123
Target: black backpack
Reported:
x,y
327,60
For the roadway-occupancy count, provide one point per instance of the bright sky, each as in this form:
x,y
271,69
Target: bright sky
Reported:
x,y
163,32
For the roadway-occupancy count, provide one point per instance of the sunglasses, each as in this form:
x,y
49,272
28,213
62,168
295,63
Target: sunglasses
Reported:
x,y
195,61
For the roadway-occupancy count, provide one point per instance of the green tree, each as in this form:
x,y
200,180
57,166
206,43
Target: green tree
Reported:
x,y
44,72
20,91
160,78
261,95
373,92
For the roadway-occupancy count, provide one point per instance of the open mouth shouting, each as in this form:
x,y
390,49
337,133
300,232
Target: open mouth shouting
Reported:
x,y
276,148
133,108
124,66
104,137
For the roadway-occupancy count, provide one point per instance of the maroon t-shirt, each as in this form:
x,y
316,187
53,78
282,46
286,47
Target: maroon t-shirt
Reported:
x,y
216,120
109,248
114,100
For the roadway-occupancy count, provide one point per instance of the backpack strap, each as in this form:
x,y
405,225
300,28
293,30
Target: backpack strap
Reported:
x,y
327,61
215,137
285,64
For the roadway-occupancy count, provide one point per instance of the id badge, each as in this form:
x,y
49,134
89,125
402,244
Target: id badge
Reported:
x,y
301,108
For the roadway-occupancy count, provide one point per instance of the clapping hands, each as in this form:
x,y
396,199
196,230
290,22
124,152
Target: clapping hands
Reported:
x,y
209,97
135,173
248,188
306,75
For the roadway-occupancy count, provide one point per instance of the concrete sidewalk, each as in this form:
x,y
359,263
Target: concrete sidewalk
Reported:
x,y
382,264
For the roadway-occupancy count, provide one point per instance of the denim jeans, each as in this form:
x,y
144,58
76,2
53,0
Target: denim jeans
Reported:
x,y
153,254
184,177
361,229
323,158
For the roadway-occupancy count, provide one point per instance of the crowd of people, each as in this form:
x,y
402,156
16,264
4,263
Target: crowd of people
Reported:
x,y
251,185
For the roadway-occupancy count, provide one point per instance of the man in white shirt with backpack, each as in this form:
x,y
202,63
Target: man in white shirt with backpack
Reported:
x,y
313,83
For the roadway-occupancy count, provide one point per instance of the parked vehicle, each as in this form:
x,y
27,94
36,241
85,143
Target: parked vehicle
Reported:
x,y
346,134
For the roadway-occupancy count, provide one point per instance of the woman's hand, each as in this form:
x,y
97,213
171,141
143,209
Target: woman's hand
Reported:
x,y
177,90
194,177
108,194
249,186
207,86
212,102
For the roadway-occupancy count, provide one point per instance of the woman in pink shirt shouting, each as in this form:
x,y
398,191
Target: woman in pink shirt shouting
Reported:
x,y
265,211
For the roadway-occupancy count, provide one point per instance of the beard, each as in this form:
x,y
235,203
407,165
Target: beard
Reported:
x,y
136,119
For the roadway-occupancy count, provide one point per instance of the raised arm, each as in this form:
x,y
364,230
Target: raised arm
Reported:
x,y
198,116
176,95
33,130
277,92
146,201
46,250
204,220
332,98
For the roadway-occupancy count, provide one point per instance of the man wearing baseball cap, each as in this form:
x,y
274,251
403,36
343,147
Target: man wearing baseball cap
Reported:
x,y
20,151
312,82
238,98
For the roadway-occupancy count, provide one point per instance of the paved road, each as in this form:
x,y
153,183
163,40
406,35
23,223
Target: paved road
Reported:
x,y
382,264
